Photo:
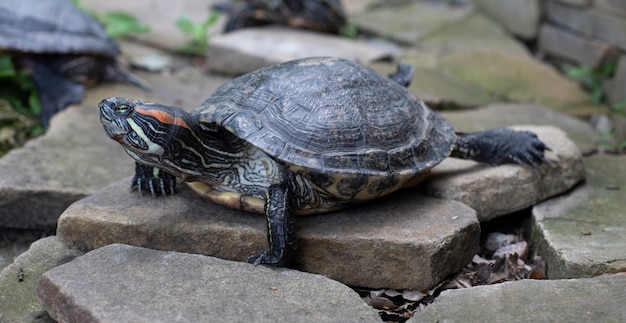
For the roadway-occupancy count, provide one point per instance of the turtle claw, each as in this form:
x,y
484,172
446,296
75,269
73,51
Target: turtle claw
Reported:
x,y
267,258
153,180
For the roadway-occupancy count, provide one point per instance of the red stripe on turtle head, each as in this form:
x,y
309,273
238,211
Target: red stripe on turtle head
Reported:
x,y
165,117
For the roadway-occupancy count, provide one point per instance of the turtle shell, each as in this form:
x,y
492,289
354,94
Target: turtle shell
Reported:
x,y
353,133
52,27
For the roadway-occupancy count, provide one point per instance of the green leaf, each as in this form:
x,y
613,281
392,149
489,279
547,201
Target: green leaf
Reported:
x,y
185,25
119,23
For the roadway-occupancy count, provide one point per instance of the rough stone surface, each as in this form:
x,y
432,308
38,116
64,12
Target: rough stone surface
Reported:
x,y
18,300
520,17
121,283
589,21
597,299
495,191
423,239
410,23
617,6
566,45
249,49
583,233
614,88
518,78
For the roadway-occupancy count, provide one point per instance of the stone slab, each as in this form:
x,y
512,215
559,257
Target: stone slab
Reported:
x,y
616,6
121,283
403,241
496,191
518,78
583,233
614,87
574,47
598,299
520,17
589,21
409,23
249,49
18,299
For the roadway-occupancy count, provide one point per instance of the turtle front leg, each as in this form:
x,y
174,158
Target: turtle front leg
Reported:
x,y
154,180
281,228
500,146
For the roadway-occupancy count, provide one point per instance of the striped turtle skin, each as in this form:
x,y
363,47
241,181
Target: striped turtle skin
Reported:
x,y
305,136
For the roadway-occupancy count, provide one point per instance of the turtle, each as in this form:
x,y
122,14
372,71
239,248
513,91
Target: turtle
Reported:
x,y
306,136
319,15
63,47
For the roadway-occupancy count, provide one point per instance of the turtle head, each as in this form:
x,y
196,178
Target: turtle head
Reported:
x,y
147,131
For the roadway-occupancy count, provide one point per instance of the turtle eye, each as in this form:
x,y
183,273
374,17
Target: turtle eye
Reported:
x,y
123,109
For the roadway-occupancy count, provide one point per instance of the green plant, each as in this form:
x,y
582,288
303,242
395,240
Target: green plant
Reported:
x,y
116,23
592,79
350,30
19,106
198,33
119,24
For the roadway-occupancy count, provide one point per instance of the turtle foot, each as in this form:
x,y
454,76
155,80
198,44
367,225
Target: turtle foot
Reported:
x,y
267,258
153,180
501,146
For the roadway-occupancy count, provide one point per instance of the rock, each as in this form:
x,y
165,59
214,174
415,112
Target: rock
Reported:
x,y
518,78
75,158
495,240
583,300
249,49
614,87
405,241
615,6
18,299
496,191
520,17
124,283
408,24
571,46
581,234
508,114
589,21
474,33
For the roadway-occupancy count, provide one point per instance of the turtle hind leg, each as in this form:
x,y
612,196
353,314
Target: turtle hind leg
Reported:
x,y
281,228
153,180
500,146
403,74
56,92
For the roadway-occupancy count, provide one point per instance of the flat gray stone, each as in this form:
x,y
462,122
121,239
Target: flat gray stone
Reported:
x,y
583,233
121,283
520,17
597,299
501,190
616,6
18,299
408,24
249,49
402,241
589,21
614,87
574,47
